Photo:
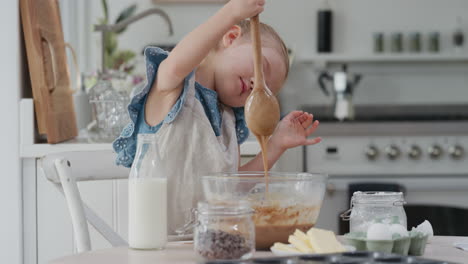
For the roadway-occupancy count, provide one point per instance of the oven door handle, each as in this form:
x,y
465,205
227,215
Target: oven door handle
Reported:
x,y
408,184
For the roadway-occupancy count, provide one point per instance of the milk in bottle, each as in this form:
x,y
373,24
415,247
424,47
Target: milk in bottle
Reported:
x,y
147,202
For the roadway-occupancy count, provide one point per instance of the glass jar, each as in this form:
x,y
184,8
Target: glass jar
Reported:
x,y
109,109
147,197
379,44
224,231
458,37
434,42
397,42
415,42
375,207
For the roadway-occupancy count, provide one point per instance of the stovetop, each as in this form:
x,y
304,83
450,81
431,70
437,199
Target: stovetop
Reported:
x,y
392,113
389,154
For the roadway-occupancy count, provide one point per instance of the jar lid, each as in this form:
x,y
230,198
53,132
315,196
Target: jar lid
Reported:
x,y
227,208
377,197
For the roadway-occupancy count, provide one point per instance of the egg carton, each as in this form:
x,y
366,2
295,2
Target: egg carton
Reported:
x,y
413,245
392,239
338,258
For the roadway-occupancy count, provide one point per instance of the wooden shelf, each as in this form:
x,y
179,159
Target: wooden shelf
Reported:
x,y
383,58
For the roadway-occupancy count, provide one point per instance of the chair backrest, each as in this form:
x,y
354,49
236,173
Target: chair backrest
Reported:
x,y
64,170
85,167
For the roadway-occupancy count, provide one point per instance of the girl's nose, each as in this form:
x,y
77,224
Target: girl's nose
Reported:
x,y
251,83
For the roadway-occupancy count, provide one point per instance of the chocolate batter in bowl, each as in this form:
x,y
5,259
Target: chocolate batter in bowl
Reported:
x,y
293,200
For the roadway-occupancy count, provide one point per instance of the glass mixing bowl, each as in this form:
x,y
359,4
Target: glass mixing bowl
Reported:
x,y
290,201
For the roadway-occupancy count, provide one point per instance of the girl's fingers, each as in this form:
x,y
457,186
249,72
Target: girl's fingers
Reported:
x,y
296,113
308,121
312,128
313,141
302,118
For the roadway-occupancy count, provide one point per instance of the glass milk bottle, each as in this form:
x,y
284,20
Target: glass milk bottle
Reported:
x,y
147,197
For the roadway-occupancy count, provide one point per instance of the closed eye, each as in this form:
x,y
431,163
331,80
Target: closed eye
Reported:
x,y
267,71
266,66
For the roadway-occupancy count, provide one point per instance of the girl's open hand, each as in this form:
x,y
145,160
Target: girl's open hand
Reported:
x,y
242,9
293,130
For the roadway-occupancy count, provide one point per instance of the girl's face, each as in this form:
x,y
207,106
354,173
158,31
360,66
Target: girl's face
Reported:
x,y
234,72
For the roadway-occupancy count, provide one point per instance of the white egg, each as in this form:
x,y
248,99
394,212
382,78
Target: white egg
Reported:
x,y
399,229
426,228
379,231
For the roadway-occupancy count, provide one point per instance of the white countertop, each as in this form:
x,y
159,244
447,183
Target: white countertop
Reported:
x,y
30,149
248,148
440,248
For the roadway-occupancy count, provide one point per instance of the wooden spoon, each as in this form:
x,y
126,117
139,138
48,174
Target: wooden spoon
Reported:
x,y
262,111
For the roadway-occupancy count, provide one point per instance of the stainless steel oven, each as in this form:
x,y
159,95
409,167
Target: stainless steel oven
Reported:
x,y
408,128
428,161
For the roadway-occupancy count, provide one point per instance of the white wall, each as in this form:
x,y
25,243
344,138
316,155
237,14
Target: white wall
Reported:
x,y
355,22
10,188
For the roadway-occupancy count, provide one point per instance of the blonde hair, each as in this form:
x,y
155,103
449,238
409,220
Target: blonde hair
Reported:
x,y
268,31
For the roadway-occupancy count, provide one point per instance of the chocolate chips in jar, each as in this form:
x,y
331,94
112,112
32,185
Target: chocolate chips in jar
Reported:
x,y
218,244
224,231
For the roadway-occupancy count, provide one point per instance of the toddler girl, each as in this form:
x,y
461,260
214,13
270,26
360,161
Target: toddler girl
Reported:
x,y
194,101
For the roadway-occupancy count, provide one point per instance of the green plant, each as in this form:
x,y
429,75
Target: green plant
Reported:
x,y
115,58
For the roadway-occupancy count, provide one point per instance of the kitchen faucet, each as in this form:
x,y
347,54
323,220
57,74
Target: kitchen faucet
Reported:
x,y
104,28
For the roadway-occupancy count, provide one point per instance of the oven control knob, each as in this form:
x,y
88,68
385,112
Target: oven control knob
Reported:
x,y
435,151
372,152
393,152
414,152
456,152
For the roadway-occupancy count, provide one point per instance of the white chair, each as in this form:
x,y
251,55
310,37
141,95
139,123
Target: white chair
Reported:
x,y
64,170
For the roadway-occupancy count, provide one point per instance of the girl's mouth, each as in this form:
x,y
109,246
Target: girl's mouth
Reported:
x,y
243,86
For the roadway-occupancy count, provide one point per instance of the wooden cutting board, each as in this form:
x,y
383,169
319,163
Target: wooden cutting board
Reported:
x,y
50,77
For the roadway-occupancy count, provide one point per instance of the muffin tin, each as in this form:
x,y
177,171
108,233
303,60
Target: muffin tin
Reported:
x,y
338,258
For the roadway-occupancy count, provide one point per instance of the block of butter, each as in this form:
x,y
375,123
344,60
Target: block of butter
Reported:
x,y
285,248
316,241
324,241
301,242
